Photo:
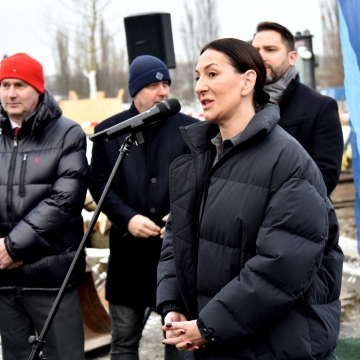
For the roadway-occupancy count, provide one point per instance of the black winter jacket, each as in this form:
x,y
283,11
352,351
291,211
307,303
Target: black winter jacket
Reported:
x,y
140,187
259,263
313,120
43,184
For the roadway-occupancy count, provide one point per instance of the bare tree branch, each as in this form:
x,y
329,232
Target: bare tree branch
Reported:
x,y
88,41
197,29
331,70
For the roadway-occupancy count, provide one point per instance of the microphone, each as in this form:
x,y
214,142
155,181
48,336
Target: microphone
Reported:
x,y
161,111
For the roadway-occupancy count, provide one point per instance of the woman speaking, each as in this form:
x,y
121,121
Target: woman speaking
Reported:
x,y
250,266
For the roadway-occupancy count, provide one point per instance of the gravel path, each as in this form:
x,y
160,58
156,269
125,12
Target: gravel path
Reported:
x,y
151,347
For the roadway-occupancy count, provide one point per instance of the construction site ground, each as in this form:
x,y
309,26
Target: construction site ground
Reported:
x,y
349,339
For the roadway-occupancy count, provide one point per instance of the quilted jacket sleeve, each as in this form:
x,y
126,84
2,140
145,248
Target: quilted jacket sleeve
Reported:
x,y
168,295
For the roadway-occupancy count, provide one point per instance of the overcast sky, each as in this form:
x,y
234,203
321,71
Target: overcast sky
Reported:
x,y
27,25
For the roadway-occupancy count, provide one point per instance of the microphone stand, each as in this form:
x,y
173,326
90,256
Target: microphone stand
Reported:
x,y
38,344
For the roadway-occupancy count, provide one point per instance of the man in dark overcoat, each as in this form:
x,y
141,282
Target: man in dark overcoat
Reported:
x,y
137,205
311,118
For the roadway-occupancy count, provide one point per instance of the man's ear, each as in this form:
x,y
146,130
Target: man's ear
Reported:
x,y
293,55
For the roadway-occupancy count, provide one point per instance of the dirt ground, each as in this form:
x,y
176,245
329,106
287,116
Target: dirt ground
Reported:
x,y
349,328
151,347
346,218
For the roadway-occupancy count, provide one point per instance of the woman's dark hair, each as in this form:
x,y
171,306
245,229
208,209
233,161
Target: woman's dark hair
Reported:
x,y
243,57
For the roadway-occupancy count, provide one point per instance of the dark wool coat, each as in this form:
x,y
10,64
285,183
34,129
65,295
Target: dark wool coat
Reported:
x,y
140,187
313,120
43,182
259,263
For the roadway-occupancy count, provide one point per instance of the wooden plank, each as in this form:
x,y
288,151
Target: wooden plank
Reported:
x,y
95,341
344,192
96,319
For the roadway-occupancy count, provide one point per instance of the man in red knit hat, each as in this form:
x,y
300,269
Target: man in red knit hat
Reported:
x,y
43,182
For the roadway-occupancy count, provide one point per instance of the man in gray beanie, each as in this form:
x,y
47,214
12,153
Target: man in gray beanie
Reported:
x,y
137,205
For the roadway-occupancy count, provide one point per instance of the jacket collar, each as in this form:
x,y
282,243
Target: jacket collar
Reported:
x,y
198,135
133,110
287,94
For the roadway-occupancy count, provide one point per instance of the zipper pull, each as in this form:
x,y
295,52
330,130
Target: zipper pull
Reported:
x,y
25,157
16,132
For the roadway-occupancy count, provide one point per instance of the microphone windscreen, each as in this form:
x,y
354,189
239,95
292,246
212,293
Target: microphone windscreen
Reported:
x,y
168,108
175,106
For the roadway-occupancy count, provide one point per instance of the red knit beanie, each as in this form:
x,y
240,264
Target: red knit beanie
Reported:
x,y
22,66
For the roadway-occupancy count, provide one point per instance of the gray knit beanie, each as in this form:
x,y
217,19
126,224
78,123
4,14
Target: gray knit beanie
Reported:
x,y
145,70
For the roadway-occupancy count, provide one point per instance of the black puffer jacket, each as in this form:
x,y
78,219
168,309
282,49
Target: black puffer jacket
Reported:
x,y
263,269
43,183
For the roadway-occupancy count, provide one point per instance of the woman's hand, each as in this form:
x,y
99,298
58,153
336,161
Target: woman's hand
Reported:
x,y
173,316
185,335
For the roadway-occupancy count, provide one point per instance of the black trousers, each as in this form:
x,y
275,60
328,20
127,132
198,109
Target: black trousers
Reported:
x,y
22,316
126,332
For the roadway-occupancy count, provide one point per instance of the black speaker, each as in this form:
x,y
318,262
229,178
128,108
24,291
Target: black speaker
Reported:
x,y
150,34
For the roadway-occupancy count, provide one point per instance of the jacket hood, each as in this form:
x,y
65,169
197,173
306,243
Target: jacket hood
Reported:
x,y
46,111
198,135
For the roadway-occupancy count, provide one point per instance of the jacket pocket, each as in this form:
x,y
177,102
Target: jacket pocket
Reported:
x,y
22,176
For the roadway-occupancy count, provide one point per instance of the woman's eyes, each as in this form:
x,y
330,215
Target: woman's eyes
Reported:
x,y
210,74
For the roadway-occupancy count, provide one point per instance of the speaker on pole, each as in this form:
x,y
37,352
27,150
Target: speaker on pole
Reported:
x,y
150,34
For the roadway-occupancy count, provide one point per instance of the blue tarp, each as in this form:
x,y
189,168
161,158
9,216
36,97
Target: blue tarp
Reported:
x,y
336,92
349,12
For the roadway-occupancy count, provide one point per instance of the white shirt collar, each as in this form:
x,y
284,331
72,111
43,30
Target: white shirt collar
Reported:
x,y
13,124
